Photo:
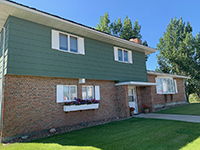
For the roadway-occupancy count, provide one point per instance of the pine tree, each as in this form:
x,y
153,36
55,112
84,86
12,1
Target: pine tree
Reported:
x,y
103,24
179,53
116,27
136,30
127,30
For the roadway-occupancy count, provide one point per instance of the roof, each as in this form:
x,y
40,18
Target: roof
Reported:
x,y
8,7
167,75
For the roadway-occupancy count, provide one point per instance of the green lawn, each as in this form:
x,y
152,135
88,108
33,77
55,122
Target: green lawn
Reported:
x,y
133,134
190,109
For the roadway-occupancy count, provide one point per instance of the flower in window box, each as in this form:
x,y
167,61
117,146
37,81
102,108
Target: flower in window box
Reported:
x,y
77,103
68,103
95,101
89,102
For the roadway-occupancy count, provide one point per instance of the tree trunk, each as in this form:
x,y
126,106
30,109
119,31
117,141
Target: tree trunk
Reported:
x,y
198,94
187,98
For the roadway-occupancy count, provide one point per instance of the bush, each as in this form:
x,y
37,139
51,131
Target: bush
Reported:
x,y
193,98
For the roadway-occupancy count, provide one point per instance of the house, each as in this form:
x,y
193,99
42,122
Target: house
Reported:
x,y
48,60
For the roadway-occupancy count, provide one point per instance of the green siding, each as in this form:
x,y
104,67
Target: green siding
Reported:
x,y
30,53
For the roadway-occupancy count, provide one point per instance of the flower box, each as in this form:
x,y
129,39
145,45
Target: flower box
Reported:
x,y
80,107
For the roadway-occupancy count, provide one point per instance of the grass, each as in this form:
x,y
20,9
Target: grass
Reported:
x,y
190,109
134,133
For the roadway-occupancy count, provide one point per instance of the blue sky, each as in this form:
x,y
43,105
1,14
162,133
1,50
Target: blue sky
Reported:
x,y
152,15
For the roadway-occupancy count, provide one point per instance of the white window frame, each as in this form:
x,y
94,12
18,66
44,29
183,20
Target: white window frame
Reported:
x,y
173,86
116,58
87,91
60,93
56,42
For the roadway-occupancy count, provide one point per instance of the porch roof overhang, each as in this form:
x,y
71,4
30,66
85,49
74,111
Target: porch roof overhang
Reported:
x,y
136,83
167,75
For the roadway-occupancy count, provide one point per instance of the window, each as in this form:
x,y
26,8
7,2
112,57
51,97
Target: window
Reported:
x,y
130,95
166,86
122,55
87,92
66,93
67,42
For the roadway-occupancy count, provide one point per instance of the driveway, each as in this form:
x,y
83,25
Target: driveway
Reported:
x,y
187,118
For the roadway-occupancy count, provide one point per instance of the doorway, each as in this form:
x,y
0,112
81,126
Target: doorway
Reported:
x,y
132,96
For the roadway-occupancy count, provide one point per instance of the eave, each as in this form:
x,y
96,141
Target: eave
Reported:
x,y
167,75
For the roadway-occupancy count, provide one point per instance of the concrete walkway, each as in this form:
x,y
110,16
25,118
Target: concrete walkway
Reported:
x,y
187,118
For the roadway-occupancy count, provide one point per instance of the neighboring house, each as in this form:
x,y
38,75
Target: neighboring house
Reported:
x,y
49,60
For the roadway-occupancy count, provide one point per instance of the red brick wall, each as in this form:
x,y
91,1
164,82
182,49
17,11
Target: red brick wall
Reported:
x,y
122,101
160,98
144,98
30,104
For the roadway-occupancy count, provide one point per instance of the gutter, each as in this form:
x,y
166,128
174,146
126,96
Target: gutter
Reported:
x,y
2,78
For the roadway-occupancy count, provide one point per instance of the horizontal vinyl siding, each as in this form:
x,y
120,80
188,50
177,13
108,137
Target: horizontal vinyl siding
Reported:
x,y
30,53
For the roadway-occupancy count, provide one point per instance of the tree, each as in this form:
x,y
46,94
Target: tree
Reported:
x,y
103,24
145,44
116,27
136,30
127,30
179,53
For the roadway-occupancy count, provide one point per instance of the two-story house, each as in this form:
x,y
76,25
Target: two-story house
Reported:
x,y
47,60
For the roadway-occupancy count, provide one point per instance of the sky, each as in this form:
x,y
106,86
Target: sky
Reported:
x,y
152,15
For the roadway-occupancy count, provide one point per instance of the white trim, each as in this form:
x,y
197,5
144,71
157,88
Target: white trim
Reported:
x,y
59,93
129,52
55,39
167,75
81,46
156,85
2,75
137,83
175,86
97,92
115,53
130,58
80,107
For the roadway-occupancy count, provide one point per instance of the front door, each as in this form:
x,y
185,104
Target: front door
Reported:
x,y
132,96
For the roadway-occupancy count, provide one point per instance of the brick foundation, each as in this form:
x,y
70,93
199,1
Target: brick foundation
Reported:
x,y
30,104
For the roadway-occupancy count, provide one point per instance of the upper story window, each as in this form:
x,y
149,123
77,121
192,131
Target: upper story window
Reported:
x,y
67,42
166,85
123,55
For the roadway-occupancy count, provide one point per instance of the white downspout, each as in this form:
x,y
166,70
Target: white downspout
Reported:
x,y
2,78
